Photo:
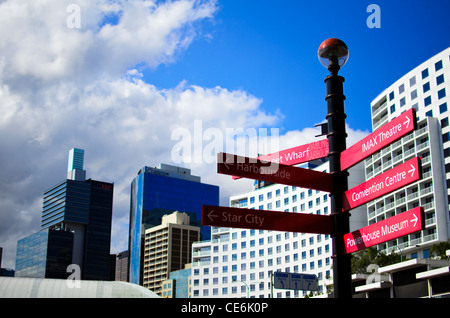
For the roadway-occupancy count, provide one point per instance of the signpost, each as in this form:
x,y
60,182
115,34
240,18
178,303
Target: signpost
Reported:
x,y
278,168
386,230
266,220
379,139
380,185
273,172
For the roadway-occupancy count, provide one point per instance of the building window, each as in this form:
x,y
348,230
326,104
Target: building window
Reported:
x,y
443,109
438,66
444,122
392,109
425,73
427,100
426,87
441,93
412,81
440,79
401,89
429,113
402,101
391,96
414,94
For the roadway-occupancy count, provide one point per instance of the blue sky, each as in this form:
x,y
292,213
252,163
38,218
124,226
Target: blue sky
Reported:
x,y
269,48
224,63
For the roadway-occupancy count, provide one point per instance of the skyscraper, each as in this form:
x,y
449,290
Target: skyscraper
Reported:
x,y
75,227
75,165
156,192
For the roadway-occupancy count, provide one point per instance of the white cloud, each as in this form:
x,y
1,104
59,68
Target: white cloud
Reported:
x,y
62,88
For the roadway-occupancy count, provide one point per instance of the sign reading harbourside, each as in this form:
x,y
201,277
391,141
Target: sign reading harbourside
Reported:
x,y
379,139
386,230
273,172
380,185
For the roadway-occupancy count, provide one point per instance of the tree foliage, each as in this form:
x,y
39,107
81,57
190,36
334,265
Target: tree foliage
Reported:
x,y
362,259
438,250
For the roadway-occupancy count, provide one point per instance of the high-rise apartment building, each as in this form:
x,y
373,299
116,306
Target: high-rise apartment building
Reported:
x,y
75,228
426,89
168,248
240,262
156,192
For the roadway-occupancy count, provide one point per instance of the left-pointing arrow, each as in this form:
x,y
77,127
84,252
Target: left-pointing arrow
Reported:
x,y
211,216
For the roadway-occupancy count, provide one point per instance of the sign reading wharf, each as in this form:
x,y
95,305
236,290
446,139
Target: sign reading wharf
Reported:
x,y
386,230
380,185
297,155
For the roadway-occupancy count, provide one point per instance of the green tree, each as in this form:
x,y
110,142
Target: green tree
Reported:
x,y
438,250
362,259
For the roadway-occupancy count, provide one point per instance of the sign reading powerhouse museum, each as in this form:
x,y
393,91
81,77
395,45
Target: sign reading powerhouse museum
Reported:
x,y
386,230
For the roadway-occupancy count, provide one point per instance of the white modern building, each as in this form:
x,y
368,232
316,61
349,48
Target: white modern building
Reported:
x,y
426,88
239,262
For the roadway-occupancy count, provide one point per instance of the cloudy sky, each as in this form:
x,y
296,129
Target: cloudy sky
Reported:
x,y
127,81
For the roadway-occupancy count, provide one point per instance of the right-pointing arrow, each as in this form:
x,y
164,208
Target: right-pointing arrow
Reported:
x,y
414,220
412,170
407,121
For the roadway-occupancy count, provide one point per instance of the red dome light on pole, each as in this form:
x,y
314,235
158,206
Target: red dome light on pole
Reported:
x,y
332,50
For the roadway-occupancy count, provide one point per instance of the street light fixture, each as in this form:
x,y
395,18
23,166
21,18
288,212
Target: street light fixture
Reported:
x,y
333,50
333,53
241,281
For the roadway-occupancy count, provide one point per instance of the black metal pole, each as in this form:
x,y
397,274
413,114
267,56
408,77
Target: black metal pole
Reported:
x,y
342,279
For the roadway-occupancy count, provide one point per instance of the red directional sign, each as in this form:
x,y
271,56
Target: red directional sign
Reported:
x,y
266,220
386,230
274,172
297,155
379,139
300,154
380,185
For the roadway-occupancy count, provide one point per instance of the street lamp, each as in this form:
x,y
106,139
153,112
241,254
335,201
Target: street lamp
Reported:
x,y
332,51
241,281
333,54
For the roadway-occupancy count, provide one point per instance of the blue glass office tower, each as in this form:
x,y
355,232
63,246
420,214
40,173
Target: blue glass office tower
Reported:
x,y
159,191
75,228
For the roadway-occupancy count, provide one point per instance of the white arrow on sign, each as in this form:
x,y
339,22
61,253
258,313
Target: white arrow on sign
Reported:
x,y
412,170
407,121
415,219
211,216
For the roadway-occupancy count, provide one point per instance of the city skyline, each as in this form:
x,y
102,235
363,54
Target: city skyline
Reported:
x,y
228,64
